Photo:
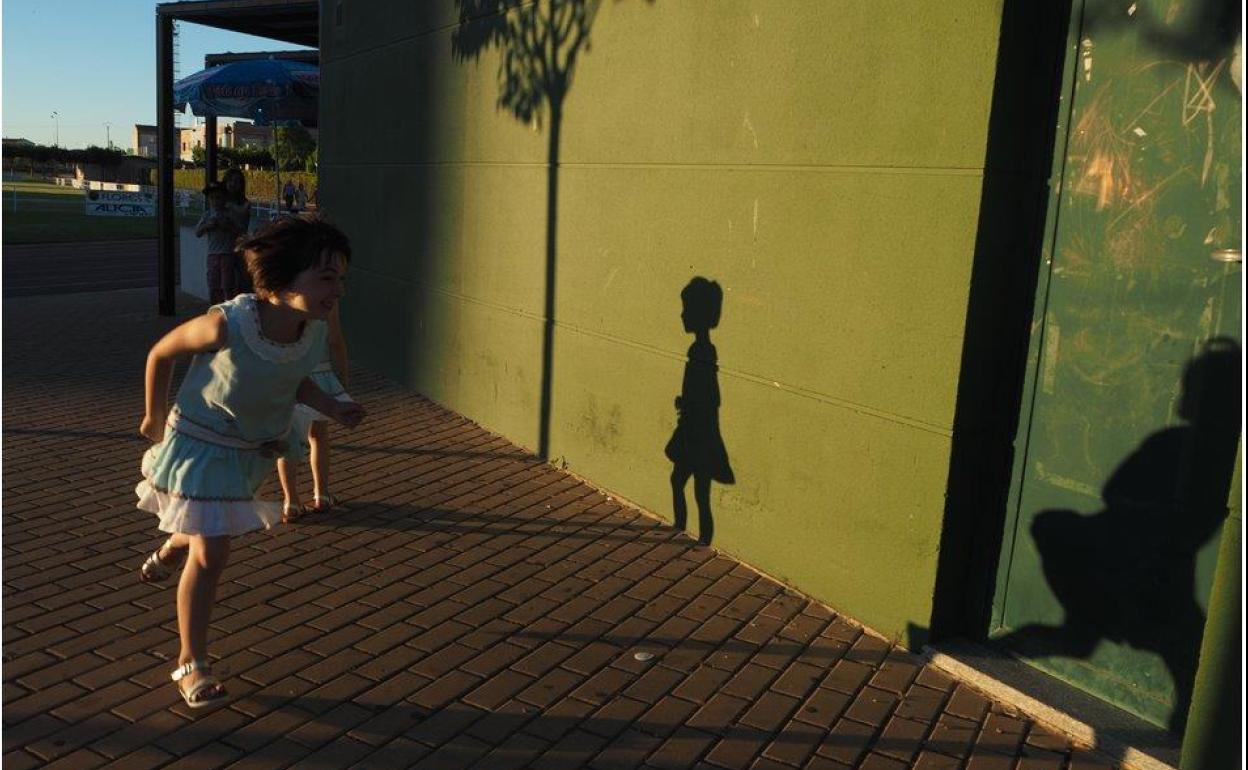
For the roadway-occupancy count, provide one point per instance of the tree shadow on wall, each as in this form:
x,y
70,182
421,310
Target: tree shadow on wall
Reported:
x,y
696,447
1128,573
539,43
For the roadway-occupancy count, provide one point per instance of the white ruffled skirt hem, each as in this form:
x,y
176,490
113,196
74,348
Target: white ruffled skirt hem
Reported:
x,y
309,415
208,518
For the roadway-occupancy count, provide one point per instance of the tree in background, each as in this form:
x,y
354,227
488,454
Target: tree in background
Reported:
x,y
247,155
42,155
293,146
251,157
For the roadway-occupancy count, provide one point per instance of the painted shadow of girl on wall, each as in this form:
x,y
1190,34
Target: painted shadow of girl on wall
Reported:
x,y
696,447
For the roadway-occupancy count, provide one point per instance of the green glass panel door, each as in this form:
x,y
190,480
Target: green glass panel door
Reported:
x,y
1132,415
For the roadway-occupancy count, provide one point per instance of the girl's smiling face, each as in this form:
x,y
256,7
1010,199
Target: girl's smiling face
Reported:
x,y
316,290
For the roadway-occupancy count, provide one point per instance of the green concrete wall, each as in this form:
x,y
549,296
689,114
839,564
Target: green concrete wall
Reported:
x,y
821,160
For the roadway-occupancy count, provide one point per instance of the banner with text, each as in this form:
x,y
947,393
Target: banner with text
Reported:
x,y
119,203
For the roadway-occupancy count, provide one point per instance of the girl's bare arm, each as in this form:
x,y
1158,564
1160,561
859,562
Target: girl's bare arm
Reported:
x,y
198,335
348,413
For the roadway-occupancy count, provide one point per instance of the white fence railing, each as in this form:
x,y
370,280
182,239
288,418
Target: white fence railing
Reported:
x,y
187,202
88,184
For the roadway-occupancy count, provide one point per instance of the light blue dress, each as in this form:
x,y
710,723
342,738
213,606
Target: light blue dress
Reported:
x,y
232,418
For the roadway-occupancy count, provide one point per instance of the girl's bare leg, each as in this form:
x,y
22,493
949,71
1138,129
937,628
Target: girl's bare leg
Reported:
x,y
288,476
680,510
702,496
318,439
197,591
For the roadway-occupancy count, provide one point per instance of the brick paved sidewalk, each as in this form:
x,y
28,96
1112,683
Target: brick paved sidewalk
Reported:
x,y
78,266
471,607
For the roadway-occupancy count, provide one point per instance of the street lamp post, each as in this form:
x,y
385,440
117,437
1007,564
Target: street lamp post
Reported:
x,y
56,135
108,134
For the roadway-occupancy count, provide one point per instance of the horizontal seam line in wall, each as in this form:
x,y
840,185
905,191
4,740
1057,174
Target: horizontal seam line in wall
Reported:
x,y
388,44
740,374
763,167
417,36
759,379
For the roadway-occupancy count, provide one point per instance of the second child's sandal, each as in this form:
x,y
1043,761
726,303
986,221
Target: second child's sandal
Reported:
x,y
324,503
292,513
197,695
156,569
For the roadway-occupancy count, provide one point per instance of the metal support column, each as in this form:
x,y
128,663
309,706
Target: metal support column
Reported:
x,y
1215,719
166,146
210,148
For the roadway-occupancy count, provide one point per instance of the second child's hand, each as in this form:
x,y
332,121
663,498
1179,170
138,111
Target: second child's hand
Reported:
x,y
348,413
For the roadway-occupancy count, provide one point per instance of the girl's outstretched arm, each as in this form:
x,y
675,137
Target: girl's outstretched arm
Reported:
x,y
348,413
338,350
198,335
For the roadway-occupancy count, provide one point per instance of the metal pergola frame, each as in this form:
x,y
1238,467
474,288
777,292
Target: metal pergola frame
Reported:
x,y
290,21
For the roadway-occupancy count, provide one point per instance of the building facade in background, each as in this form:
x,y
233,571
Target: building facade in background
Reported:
x,y
143,140
237,134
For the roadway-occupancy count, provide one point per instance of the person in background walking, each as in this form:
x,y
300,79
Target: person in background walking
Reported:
x,y
288,195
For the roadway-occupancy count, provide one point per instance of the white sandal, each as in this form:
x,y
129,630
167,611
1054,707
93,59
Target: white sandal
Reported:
x,y
155,569
206,681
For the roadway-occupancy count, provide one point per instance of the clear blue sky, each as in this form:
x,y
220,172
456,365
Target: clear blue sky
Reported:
x,y
94,62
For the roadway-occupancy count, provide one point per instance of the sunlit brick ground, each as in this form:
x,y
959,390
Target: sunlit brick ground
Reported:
x,y
470,607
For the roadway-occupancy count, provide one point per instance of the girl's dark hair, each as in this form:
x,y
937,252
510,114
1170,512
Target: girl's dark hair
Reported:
x,y
283,249
704,300
242,188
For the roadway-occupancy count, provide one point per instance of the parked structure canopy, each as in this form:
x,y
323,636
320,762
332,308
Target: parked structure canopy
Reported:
x,y
291,21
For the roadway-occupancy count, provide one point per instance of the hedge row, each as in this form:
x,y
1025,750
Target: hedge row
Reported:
x,y
261,185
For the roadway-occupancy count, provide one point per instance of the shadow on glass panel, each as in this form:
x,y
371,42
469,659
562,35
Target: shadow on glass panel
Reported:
x,y
1127,574
1201,31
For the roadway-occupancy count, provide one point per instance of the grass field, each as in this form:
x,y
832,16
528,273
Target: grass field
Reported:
x,y
45,213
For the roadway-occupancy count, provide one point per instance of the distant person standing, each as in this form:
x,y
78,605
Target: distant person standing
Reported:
x,y
301,197
239,210
222,233
288,195
237,205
